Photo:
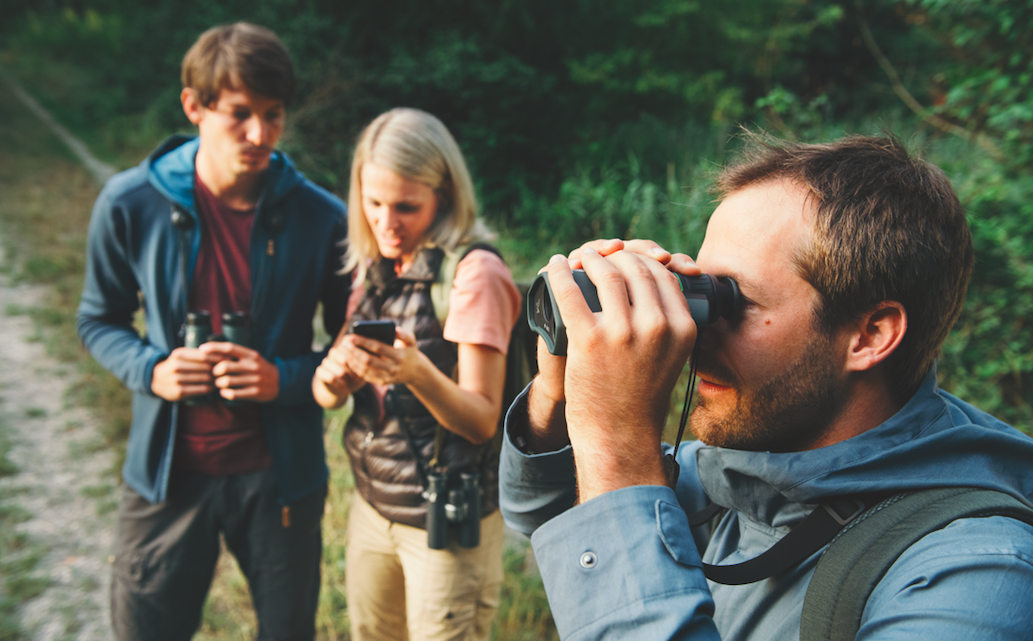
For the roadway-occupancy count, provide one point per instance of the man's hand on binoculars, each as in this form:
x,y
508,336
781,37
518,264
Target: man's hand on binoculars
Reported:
x,y
680,263
184,373
621,365
242,374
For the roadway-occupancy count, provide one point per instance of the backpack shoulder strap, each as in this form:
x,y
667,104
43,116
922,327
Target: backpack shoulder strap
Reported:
x,y
860,556
441,288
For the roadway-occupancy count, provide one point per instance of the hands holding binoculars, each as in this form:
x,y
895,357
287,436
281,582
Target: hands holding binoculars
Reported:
x,y
611,393
237,372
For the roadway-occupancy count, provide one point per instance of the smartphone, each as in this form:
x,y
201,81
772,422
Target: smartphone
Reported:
x,y
381,330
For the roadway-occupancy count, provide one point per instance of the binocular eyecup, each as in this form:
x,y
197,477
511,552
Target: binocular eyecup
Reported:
x,y
709,298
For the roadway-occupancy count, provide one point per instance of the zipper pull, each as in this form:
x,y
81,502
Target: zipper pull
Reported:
x,y
270,249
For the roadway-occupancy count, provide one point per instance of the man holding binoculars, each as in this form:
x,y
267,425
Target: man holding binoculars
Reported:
x,y
218,235
816,403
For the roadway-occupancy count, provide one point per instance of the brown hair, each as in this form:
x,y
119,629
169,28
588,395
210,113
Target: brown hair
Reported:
x,y
238,55
888,226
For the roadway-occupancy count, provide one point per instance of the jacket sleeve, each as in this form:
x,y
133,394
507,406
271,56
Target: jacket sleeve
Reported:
x,y
104,320
296,373
971,580
621,566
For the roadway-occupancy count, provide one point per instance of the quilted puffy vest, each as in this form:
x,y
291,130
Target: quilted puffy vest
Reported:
x,y
382,459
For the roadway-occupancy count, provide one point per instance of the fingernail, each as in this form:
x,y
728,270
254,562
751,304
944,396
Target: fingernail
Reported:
x,y
658,251
557,258
589,250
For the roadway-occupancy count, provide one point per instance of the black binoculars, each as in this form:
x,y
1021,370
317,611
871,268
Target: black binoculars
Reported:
x,y
198,330
460,505
709,298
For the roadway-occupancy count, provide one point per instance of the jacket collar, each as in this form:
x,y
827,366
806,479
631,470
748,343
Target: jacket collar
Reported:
x,y
935,440
170,169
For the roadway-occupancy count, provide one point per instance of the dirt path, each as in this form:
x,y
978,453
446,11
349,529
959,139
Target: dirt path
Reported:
x,y
64,486
64,482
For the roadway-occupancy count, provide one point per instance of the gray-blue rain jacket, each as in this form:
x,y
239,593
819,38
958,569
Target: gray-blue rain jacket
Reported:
x,y
626,565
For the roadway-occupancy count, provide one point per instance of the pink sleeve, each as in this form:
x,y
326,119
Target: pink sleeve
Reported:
x,y
484,302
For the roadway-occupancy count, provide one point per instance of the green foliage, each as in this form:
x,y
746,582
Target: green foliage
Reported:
x,y
988,88
988,358
584,119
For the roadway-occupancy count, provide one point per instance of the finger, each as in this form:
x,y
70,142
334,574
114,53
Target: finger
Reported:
x,y
683,264
605,247
331,369
371,345
190,355
187,391
408,338
648,248
224,350
180,366
237,382
669,304
227,367
609,282
193,378
570,301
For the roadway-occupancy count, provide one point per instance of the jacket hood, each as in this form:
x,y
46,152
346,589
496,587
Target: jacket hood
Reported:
x,y
170,169
936,440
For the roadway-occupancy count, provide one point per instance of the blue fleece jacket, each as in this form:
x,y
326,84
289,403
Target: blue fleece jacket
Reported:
x,y
134,254
626,565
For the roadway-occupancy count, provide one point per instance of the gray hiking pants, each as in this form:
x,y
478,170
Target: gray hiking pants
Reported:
x,y
165,557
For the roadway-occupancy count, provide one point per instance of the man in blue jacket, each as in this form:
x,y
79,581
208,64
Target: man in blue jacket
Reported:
x,y
226,437
853,260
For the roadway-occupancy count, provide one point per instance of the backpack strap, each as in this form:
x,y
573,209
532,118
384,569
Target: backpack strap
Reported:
x,y
440,291
860,556
441,288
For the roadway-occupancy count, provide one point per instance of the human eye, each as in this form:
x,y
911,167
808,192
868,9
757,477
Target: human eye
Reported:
x,y
407,208
241,114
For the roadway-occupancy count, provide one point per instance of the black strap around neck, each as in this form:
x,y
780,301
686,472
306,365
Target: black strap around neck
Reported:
x,y
812,534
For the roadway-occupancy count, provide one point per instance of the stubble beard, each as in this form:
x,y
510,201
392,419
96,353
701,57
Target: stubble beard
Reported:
x,y
787,413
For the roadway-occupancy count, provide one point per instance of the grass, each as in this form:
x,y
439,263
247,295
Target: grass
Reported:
x,y
45,203
18,556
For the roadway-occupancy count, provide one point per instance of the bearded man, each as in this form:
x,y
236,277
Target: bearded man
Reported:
x,y
852,259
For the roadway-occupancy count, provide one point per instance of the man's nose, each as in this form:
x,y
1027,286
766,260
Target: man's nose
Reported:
x,y
258,132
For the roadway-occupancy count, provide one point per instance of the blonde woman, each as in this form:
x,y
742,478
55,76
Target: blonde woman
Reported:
x,y
427,405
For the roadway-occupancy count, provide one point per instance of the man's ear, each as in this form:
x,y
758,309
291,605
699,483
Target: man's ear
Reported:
x,y
876,335
192,107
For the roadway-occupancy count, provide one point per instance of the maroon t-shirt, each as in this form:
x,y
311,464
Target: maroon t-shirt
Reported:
x,y
212,438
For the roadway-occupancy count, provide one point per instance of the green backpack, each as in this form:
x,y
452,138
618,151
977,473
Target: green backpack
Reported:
x,y
864,550
865,535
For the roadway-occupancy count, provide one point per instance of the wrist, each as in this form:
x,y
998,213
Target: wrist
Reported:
x,y
546,429
603,467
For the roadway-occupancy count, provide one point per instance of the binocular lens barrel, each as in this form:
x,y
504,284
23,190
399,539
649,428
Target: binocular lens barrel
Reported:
x,y
709,298
437,520
461,505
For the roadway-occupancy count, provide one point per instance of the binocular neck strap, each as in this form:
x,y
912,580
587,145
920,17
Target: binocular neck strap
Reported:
x,y
396,407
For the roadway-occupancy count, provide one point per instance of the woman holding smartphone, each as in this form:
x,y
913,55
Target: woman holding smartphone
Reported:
x,y
427,405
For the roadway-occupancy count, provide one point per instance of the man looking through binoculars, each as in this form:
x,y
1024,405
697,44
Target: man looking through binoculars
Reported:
x,y
852,259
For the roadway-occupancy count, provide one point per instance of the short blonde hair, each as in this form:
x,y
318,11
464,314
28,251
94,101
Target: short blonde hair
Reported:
x,y
417,146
